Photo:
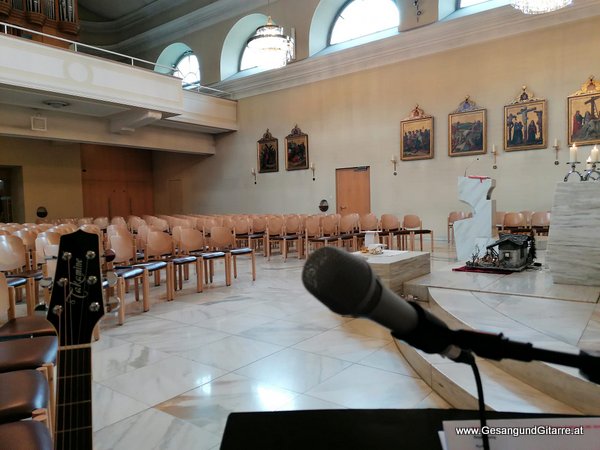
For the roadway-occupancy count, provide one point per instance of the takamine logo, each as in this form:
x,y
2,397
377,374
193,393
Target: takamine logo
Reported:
x,y
78,283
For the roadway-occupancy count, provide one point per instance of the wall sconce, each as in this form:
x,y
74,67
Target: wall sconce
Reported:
x,y
556,147
394,162
253,172
312,168
494,154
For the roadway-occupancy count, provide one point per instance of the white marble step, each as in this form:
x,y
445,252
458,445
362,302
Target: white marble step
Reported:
x,y
455,383
541,323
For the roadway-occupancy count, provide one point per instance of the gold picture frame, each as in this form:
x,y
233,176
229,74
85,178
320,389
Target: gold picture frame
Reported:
x,y
296,150
525,122
467,130
267,153
416,136
583,117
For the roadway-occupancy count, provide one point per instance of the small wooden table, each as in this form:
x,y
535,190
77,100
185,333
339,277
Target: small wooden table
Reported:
x,y
394,267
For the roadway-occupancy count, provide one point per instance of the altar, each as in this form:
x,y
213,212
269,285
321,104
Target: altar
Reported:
x,y
394,267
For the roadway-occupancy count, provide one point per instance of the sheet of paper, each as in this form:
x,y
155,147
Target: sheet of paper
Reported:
x,y
573,433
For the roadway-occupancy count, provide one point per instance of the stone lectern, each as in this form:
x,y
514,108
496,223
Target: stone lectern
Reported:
x,y
479,230
573,252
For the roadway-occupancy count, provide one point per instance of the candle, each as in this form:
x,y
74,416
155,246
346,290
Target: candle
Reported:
x,y
573,154
588,163
594,154
494,149
556,142
252,170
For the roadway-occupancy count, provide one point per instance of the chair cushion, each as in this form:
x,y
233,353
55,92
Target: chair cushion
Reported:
x,y
16,281
29,326
26,435
21,354
152,265
37,275
28,391
183,260
213,255
241,251
128,272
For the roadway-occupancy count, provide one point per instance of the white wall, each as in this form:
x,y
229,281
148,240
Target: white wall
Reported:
x,y
355,120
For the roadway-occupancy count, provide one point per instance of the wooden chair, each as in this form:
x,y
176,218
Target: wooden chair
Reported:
x,y
257,234
274,235
515,222
126,268
28,397
349,231
293,232
453,217
14,327
527,214
27,434
500,220
390,228
314,235
413,224
540,222
13,260
223,239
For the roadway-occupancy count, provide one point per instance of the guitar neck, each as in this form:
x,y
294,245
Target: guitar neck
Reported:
x,y
74,398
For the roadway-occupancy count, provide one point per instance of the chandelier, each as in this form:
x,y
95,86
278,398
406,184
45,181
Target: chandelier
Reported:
x,y
271,46
539,6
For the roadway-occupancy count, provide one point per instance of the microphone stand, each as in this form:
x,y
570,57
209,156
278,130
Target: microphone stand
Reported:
x,y
434,336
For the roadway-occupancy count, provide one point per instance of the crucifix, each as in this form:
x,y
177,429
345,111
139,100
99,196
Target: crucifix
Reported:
x,y
524,111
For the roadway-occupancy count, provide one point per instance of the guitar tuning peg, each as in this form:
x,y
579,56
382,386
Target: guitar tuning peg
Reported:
x,y
90,254
66,256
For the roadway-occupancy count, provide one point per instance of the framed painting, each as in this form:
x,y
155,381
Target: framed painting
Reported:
x,y
467,133
584,120
296,150
525,123
416,136
267,153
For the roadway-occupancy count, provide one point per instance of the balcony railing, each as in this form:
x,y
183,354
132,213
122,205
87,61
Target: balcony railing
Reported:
x,y
119,58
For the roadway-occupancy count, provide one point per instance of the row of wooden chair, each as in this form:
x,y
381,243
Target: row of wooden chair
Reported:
x,y
524,222
28,349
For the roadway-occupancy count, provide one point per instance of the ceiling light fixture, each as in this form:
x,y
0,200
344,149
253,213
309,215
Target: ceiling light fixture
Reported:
x,y
271,45
539,6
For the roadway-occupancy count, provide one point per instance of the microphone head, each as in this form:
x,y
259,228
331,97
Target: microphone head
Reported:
x,y
338,279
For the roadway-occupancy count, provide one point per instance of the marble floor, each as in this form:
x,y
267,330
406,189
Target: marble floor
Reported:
x,y
168,378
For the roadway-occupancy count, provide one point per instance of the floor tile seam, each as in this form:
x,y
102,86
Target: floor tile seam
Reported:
x,y
171,355
416,377
337,357
529,327
121,420
229,371
524,326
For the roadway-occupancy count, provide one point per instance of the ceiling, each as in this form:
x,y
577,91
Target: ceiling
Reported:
x,y
109,10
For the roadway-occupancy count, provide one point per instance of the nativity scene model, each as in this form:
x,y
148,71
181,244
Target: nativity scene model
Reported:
x,y
511,252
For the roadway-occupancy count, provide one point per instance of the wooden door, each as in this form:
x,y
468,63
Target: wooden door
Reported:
x,y
353,190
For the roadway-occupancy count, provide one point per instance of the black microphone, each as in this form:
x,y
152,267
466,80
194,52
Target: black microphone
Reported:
x,y
346,285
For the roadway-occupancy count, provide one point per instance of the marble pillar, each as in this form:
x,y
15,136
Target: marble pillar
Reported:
x,y
573,252
478,231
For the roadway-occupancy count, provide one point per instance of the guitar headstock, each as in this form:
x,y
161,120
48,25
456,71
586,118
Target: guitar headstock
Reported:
x,y
76,303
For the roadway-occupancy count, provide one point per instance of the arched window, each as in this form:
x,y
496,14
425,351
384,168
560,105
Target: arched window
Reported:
x,y
179,60
188,69
359,18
